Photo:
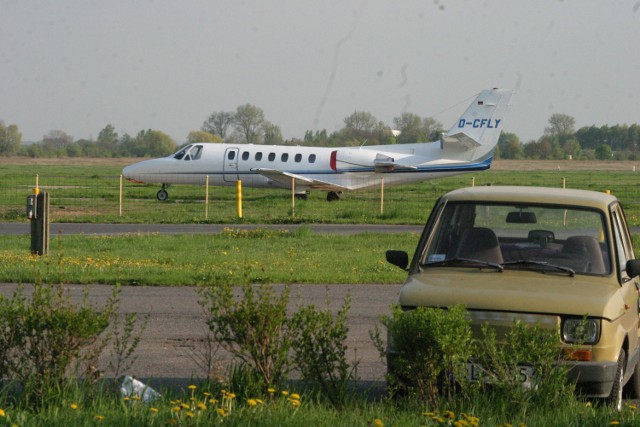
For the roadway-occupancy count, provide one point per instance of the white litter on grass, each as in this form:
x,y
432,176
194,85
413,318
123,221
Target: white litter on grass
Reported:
x,y
131,387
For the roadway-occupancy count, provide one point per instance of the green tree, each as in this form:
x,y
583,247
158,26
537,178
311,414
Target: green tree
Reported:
x,y
509,146
560,124
218,123
153,143
604,152
202,136
249,121
56,142
10,139
272,134
108,140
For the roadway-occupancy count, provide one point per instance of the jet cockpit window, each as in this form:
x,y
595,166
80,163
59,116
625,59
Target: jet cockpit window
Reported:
x,y
180,154
195,153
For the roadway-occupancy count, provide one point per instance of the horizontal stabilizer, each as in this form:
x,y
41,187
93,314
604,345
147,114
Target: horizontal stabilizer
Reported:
x,y
389,165
285,179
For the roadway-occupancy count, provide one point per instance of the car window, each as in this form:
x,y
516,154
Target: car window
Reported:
x,y
520,236
624,248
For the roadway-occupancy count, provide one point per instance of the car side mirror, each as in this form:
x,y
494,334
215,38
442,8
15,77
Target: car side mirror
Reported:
x,y
398,258
633,268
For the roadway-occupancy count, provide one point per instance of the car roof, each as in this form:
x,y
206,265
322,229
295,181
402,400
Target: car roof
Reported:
x,y
542,195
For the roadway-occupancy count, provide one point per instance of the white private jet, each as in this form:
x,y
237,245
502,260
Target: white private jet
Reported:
x,y
468,146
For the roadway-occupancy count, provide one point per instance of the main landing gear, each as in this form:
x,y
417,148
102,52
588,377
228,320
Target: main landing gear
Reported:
x,y
333,195
162,195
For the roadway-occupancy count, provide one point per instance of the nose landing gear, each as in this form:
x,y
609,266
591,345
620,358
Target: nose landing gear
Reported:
x,y
162,195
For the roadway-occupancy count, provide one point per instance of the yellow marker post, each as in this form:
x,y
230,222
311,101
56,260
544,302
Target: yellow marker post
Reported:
x,y
239,197
120,198
36,190
206,198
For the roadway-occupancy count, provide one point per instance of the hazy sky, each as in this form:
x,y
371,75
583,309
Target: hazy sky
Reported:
x,y
78,65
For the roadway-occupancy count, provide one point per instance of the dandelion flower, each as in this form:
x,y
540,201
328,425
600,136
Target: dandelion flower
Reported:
x,y
73,406
378,422
189,414
176,409
192,387
295,403
221,412
252,402
449,414
614,423
2,413
202,406
154,410
259,401
213,401
99,418
271,390
184,406
285,393
295,396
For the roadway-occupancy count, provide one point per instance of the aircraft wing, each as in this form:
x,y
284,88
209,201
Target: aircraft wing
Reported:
x,y
285,179
388,164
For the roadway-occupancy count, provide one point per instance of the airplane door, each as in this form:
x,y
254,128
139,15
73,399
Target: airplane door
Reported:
x,y
230,165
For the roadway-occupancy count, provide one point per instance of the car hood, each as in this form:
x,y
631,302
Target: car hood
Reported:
x,y
514,291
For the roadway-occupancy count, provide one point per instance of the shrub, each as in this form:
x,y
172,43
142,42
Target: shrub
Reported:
x,y
252,327
46,338
430,350
319,345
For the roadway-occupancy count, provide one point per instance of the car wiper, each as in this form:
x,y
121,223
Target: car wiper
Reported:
x,y
464,262
545,264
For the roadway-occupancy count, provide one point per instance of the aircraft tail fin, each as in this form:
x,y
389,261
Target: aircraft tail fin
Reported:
x,y
480,125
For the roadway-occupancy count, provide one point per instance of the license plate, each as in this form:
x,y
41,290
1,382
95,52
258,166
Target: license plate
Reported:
x,y
475,373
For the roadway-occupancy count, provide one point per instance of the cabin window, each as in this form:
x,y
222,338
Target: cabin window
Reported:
x,y
312,158
272,157
298,158
245,155
258,156
284,157
231,155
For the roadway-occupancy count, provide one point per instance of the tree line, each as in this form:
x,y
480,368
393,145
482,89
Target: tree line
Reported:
x,y
247,124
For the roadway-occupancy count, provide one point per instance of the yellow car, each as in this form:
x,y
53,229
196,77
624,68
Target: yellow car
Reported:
x,y
546,256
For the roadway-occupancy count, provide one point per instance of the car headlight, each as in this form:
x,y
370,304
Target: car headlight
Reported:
x,y
581,331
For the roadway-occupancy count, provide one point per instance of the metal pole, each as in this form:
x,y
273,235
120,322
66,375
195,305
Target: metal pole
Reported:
x,y
239,197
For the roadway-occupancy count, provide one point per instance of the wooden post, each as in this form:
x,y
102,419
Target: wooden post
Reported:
x,y
293,197
206,198
120,198
381,196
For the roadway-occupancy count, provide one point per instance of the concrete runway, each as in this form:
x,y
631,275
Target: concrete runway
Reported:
x,y
174,341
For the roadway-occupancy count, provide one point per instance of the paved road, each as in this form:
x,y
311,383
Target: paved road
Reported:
x,y
175,336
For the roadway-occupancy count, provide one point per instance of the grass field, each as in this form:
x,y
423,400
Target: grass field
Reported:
x,y
89,191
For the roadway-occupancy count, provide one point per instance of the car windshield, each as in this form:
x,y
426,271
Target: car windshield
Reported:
x,y
544,238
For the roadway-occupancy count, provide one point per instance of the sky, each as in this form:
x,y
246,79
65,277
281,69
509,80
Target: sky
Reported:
x,y
79,65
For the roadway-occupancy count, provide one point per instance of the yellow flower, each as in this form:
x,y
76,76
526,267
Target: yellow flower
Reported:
x,y
449,414
206,394
614,423
202,406
252,402
213,401
378,422
295,396
189,414
184,406
99,417
271,390
192,387
154,410
221,412
176,409
285,393
259,401
295,403
73,406
2,413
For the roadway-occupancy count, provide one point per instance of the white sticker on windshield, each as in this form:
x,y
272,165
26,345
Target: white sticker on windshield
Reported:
x,y
436,257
